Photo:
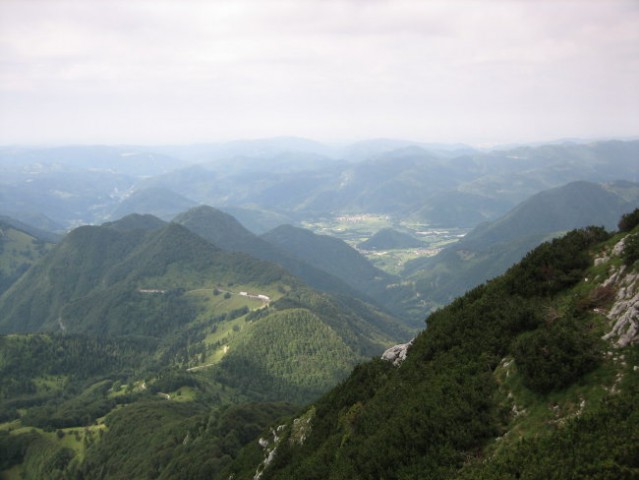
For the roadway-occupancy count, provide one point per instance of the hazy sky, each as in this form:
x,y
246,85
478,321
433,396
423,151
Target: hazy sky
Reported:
x,y
182,71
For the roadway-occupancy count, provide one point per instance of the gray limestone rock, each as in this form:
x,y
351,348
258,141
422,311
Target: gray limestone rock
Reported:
x,y
397,354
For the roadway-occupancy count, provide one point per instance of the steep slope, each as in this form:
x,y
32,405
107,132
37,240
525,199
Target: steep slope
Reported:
x,y
337,258
332,256
19,249
72,270
520,358
36,232
511,380
564,208
491,248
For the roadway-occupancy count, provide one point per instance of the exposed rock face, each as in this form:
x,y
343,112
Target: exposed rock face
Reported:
x,y
624,314
300,429
618,248
397,354
269,453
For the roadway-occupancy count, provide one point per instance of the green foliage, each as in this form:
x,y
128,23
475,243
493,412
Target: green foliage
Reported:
x,y
13,448
555,265
631,249
44,460
555,355
629,221
23,359
95,275
141,307
18,251
168,440
59,380
226,232
432,415
124,310
290,354
602,444
426,419
337,258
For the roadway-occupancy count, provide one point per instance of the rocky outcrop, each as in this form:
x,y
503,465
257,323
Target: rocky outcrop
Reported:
x,y
300,429
624,314
270,448
397,354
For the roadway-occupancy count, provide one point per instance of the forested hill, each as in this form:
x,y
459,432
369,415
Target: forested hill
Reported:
x,y
20,247
339,259
207,306
226,232
533,375
331,255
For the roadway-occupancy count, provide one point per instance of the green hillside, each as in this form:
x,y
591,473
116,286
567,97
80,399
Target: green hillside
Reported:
x,y
193,304
293,336
339,259
226,232
512,380
146,317
18,251
331,255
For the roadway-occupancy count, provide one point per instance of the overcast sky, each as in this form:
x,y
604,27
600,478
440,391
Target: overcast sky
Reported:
x,y
479,72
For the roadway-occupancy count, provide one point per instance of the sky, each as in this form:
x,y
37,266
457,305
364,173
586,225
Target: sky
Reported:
x,y
187,71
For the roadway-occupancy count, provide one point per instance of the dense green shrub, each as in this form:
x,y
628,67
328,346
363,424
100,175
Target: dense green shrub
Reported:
x,y
601,445
629,221
554,265
555,355
631,249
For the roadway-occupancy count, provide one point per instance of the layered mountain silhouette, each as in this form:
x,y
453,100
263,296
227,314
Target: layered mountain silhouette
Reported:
x,y
491,248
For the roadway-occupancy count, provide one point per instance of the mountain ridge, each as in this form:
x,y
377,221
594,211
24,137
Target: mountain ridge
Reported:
x,y
491,248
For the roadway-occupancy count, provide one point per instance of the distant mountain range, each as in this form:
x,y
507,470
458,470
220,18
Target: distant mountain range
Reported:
x,y
292,179
161,202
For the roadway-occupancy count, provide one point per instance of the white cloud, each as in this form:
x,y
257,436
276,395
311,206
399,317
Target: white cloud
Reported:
x,y
453,71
